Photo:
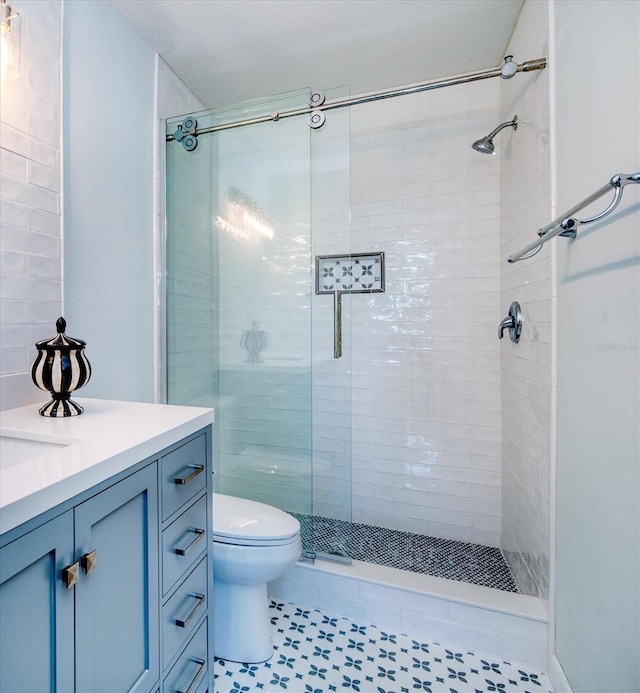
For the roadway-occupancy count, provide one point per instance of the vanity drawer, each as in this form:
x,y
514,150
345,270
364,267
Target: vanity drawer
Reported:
x,y
183,474
189,673
183,543
183,611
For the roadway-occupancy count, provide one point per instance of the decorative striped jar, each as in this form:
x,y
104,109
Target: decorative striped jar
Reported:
x,y
60,368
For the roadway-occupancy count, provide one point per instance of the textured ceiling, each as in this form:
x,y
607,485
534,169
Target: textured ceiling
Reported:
x,y
228,51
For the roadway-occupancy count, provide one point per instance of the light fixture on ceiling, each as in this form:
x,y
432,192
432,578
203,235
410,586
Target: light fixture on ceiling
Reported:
x,y
10,42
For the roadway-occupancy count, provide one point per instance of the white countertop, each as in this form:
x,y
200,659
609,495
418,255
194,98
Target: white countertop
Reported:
x,y
82,451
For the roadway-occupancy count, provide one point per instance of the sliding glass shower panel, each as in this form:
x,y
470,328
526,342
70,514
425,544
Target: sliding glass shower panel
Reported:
x,y
191,285
265,438
250,250
248,210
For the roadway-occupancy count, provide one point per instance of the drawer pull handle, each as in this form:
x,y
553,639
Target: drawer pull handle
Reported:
x,y
88,561
69,575
182,623
201,665
195,470
199,535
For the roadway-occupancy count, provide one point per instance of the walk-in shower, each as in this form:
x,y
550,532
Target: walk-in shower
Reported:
x,y
391,452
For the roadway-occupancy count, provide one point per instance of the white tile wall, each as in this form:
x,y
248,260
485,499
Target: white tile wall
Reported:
x,y
526,366
425,409
30,190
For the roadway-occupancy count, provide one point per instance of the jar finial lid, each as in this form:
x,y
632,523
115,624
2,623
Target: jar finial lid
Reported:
x,y
61,325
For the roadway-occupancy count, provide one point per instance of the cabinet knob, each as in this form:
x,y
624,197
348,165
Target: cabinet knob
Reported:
x,y
88,561
69,575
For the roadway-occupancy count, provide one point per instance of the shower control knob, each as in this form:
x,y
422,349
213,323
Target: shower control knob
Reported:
x,y
513,323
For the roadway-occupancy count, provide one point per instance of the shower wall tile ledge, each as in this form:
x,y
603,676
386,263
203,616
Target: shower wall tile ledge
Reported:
x,y
505,624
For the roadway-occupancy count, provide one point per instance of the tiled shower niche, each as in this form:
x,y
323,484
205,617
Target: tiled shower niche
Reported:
x,y
350,273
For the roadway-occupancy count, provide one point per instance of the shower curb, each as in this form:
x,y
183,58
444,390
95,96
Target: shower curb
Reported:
x,y
508,625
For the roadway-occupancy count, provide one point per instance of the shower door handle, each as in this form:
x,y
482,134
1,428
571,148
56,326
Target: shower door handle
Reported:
x,y
337,324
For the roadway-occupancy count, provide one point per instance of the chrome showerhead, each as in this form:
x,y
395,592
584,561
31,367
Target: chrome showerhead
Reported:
x,y
485,145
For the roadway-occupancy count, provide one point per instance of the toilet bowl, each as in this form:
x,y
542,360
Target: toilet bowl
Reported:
x,y
253,543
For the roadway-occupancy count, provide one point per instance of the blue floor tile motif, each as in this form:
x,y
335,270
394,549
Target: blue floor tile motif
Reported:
x,y
320,653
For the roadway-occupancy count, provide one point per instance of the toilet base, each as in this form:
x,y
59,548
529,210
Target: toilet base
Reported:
x,y
241,625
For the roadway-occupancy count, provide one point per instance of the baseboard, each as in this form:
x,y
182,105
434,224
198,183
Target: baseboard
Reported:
x,y
556,674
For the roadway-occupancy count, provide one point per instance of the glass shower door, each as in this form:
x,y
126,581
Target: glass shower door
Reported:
x,y
240,301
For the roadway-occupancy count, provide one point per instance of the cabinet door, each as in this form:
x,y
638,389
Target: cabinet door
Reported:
x,y
36,610
117,595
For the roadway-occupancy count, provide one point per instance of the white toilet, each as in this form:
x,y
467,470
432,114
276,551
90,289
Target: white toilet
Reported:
x,y
253,543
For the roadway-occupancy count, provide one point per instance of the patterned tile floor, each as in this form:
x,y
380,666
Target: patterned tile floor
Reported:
x,y
446,558
318,653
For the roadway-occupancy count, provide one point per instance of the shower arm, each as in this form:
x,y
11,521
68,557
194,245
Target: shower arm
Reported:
x,y
566,224
509,124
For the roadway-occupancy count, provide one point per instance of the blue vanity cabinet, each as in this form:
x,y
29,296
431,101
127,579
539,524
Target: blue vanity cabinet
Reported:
x,y
79,596
111,590
37,610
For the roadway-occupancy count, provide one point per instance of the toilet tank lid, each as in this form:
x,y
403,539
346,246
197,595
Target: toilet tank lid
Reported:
x,y
247,519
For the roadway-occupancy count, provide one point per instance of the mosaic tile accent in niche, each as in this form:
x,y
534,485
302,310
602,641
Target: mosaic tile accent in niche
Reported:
x,y
445,558
362,273
315,652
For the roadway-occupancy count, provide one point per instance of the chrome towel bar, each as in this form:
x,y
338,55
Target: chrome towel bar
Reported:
x,y
566,224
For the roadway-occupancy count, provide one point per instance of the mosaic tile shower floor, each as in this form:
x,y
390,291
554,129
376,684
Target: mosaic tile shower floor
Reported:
x,y
319,653
454,560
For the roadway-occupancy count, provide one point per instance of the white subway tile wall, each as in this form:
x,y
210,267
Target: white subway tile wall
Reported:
x,y
424,355
526,366
30,188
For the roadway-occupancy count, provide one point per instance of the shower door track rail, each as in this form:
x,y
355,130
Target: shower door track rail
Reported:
x,y
527,66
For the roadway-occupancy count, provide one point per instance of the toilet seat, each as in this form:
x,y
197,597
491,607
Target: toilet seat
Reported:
x,y
243,522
